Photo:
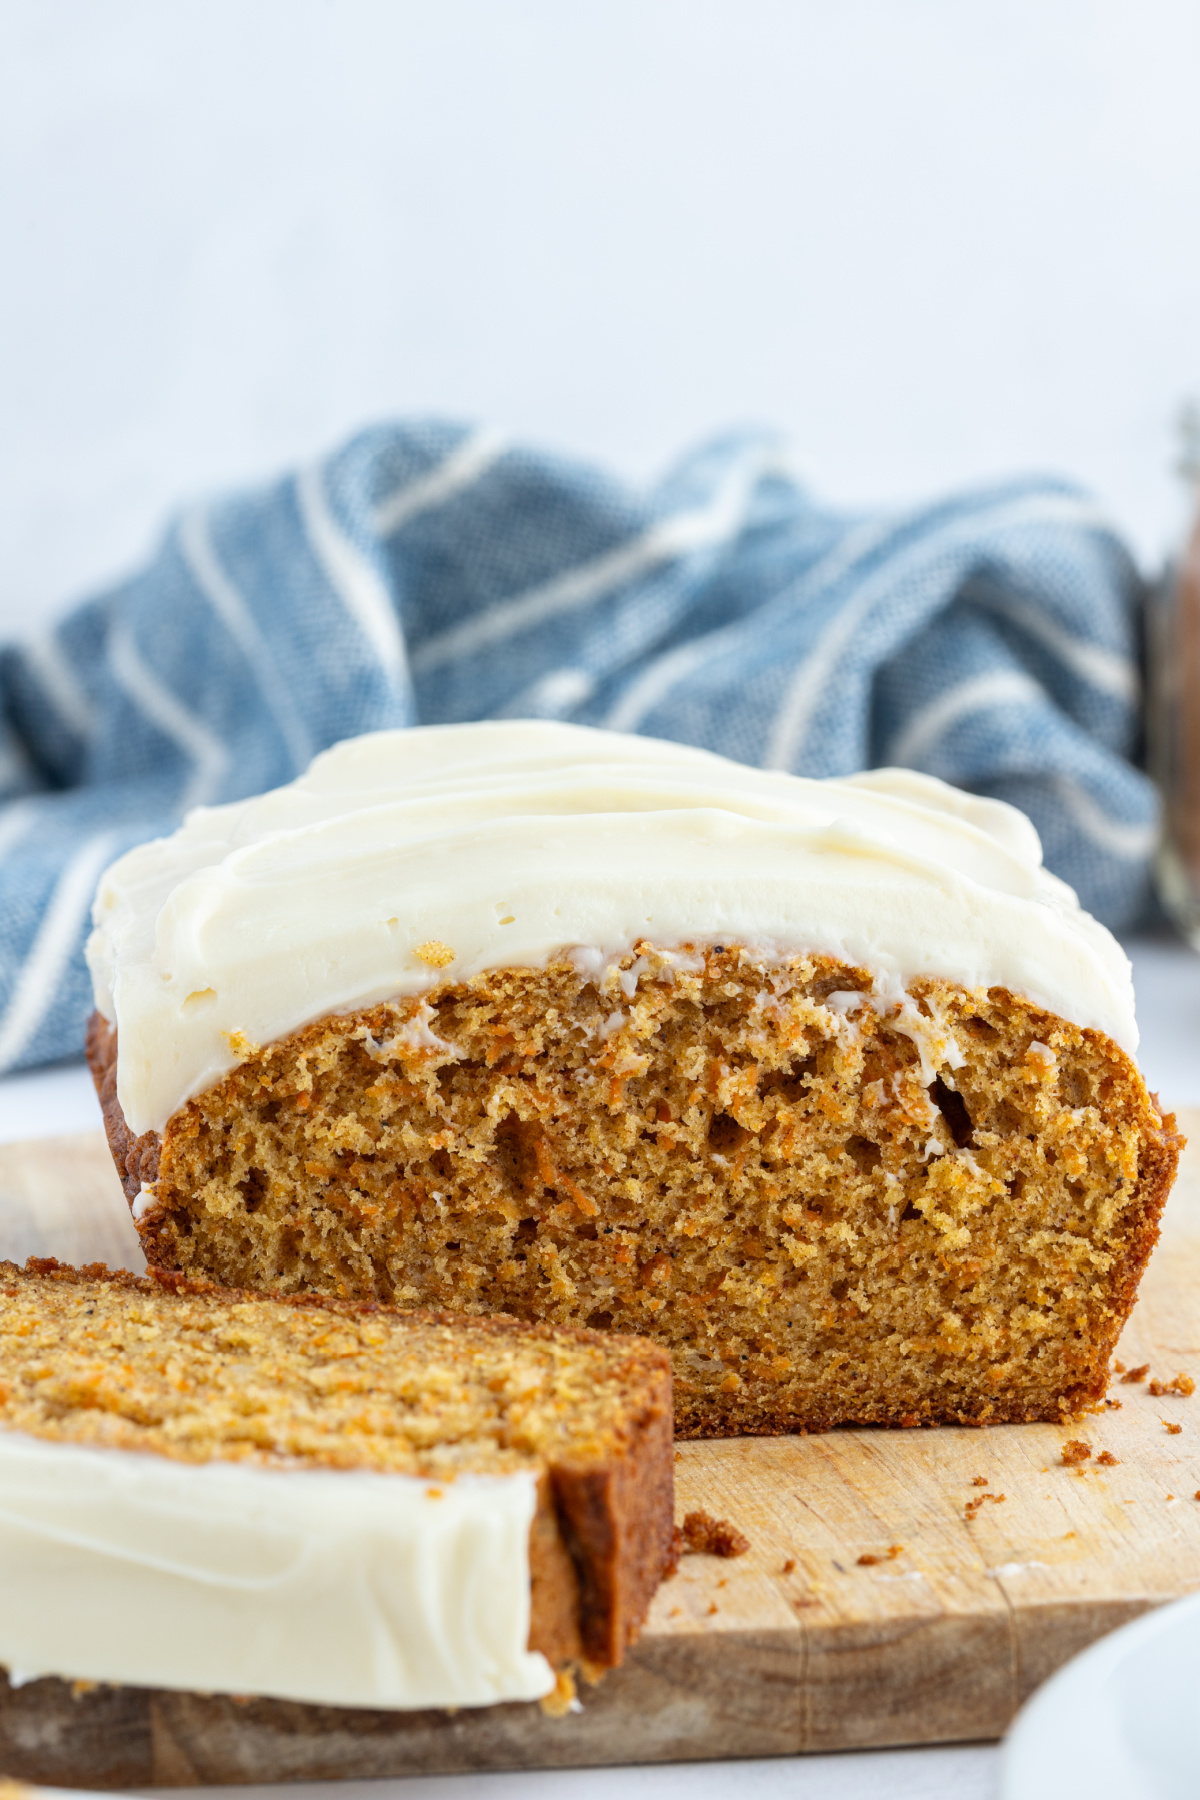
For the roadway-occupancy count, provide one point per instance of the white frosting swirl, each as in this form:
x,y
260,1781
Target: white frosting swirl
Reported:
x,y
405,859
342,1588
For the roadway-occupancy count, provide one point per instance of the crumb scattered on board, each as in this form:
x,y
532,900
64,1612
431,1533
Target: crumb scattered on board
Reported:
x,y
973,1506
703,1535
1179,1384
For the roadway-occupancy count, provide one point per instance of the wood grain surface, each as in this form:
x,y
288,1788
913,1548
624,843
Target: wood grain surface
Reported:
x,y
876,1605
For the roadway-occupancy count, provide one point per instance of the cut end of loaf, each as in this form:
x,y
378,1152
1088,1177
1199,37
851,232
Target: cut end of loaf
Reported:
x,y
832,1208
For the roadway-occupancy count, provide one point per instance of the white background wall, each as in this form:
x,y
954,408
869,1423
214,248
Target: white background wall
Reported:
x,y
934,239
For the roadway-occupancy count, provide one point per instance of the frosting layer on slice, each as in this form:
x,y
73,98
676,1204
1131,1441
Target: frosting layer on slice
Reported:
x,y
344,1588
406,859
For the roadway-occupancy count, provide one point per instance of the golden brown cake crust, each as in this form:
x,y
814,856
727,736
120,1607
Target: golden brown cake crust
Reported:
x,y
182,1368
846,1212
136,1157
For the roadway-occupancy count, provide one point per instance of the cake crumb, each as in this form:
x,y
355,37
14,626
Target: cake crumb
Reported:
x,y
705,1536
889,1555
1180,1384
562,1698
1108,1459
712,1608
979,1481
1172,1427
788,1566
1138,1374
1118,1368
1076,1450
973,1506
1114,1404
434,954
866,1559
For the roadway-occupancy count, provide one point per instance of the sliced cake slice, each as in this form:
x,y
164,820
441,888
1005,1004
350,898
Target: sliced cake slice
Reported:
x,y
309,1499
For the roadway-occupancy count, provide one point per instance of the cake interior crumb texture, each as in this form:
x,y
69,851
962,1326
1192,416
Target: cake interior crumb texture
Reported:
x,y
177,1368
830,1209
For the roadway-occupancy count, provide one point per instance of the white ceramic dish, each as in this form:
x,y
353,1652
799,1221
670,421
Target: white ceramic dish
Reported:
x,y
1120,1722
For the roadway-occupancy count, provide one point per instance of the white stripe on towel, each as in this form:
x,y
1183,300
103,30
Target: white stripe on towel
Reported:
x,y
981,693
551,695
459,470
204,565
35,990
59,683
579,587
664,673
1100,668
15,820
812,679
351,576
144,689
1130,842
674,666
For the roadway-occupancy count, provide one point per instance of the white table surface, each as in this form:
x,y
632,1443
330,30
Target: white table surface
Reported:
x,y
1167,980
951,1772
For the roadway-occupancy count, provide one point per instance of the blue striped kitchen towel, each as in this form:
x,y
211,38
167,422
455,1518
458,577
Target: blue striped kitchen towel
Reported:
x,y
429,572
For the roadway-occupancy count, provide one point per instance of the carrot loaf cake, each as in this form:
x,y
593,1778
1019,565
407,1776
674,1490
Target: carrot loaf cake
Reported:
x,y
319,1500
827,1085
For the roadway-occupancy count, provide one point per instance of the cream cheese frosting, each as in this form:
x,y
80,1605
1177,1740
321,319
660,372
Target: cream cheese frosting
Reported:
x,y
405,859
343,1588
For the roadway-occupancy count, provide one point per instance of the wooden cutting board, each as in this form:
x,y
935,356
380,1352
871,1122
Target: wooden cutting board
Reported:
x,y
870,1609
